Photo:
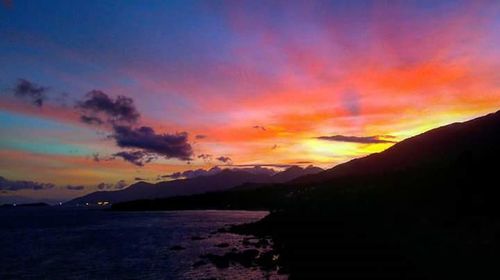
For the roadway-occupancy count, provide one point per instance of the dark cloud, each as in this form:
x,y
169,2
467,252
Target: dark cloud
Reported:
x,y
304,162
98,108
188,174
9,185
200,136
205,157
91,120
96,157
259,127
256,170
357,139
224,159
74,188
118,186
98,105
139,179
145,138
274,147
138,158
194,173
104,186
30,91
262,165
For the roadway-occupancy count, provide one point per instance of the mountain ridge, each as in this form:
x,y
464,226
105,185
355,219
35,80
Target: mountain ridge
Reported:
x,y
223,180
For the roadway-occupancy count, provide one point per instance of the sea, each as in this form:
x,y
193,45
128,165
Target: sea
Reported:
x,y
61,243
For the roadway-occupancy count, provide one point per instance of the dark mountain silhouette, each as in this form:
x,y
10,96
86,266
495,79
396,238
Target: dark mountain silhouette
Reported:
x,y
224,180
426,208
438,148
294,172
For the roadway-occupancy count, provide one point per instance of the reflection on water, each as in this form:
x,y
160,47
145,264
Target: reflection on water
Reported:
x,y
88,244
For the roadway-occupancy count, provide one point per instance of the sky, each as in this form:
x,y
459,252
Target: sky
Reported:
x,y
95,95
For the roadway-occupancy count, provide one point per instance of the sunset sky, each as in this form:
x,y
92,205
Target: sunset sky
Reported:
x,y
104,92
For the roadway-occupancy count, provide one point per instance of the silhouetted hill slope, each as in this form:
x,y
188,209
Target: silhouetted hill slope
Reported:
x,y
224,180
426,208
438,148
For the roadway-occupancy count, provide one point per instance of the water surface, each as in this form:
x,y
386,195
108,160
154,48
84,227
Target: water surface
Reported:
x,y
55,243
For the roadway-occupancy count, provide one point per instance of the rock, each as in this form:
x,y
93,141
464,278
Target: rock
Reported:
x,y
267,260
177,248
197,237
223,230
218,261
222,245
199,263
262,243
246,242
246,258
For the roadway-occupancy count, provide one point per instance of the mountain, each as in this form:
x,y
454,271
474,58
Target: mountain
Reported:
x,y
224,180
285,176
435,149
294,172
426,208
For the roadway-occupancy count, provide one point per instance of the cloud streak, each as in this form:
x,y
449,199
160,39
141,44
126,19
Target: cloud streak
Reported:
x,y
107,186
193,173
74,188
138,158
224,159
188,174
9,185
358,139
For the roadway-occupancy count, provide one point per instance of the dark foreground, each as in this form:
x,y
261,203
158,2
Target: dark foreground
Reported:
x,y
55,243
426,208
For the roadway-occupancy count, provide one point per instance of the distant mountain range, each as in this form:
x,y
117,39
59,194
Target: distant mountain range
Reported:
x,y
224,180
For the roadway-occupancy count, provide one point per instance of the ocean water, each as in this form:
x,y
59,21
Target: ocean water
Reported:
x,y
57,243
